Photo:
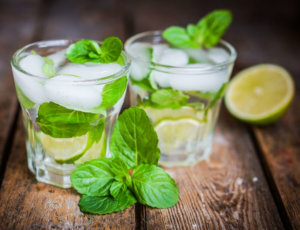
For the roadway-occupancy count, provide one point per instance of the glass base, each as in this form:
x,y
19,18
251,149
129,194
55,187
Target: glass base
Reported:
x,y
48,172
187,159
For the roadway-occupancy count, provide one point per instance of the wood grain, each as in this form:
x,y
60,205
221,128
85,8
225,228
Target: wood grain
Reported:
x,y
227,192
9,43
28,204
37,205
280,150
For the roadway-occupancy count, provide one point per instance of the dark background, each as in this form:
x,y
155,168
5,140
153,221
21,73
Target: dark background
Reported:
x,y
262,31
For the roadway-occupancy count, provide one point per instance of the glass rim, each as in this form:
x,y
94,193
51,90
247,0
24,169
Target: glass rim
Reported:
x,y
56,42
196,69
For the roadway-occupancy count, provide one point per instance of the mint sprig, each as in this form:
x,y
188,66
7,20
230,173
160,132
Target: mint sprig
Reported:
x,y
89,51
207,32
106,184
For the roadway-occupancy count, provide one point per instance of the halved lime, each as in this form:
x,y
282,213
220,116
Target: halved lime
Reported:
x,y
260,94
176,133
97,150
64,150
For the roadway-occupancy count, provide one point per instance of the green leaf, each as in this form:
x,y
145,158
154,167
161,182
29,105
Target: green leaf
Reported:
x,y
143,84
93,177
177,36
207,32
48,67
24,100
154,187
111,49
106,204
111,94
212,27
116,188
83,51
58,121
134,139
168,98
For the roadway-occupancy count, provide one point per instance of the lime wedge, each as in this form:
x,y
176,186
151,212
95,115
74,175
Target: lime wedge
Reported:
x,y
64,150
176,133
260,94
97,150
157,115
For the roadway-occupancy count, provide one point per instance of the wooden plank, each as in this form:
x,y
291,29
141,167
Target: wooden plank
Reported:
x,y
41,206
280,150
12,28
37,205
229,191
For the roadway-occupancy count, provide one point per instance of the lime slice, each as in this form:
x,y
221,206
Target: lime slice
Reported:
x,y
97,150
176,133
64,150
260,94
157,115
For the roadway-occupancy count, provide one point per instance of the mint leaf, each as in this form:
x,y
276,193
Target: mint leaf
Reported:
x,y
134,139
83,51
106,204
144,84
111,49
48,67
58,121
89,51
111,94
212,27
93,177
24,100
116,188
154,187
168,98
207,32
53,112
177,36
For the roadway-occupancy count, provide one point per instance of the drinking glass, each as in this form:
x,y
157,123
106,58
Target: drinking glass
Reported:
x,y
68,117
183,98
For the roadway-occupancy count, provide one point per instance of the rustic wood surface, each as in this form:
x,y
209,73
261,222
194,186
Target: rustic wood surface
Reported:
x,y
251,181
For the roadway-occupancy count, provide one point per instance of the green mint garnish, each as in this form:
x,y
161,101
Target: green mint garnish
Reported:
x,y
24,100
111,94
58,121
154,187
168,98
89,51
48,67
207,32
128,141
106,204
106,184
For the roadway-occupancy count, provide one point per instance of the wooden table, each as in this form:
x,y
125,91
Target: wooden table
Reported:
x,y
252,179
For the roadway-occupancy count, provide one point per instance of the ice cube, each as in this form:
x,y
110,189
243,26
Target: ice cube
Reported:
x,y
173,57
32,87
33,64
195,81
90,71
217,54
63,91
140,51
139,70
157,50
161,78
198,55
58,58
